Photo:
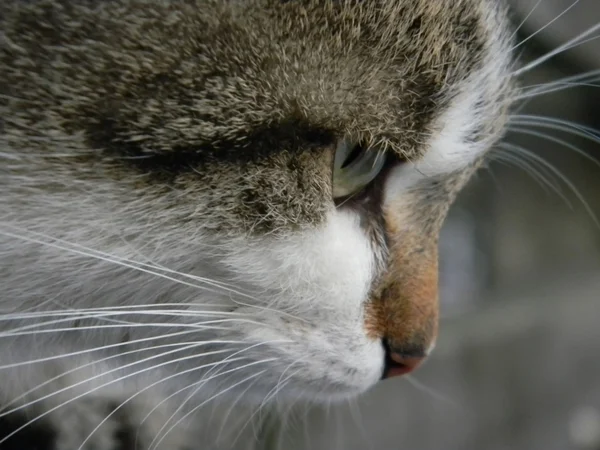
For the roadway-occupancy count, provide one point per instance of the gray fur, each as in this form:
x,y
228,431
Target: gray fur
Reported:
x,y
199,136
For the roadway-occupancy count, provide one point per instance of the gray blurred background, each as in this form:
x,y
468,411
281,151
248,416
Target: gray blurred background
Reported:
x,y
518,360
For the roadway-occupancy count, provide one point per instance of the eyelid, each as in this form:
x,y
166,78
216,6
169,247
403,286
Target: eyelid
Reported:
x,y
362,170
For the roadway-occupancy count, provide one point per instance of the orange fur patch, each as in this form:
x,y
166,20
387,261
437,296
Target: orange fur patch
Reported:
x,y
404,306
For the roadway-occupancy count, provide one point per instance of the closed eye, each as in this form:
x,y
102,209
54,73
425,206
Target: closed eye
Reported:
x,y
355,166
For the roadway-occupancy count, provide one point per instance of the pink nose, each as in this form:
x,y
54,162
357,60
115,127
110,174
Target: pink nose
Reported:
x,y
401,362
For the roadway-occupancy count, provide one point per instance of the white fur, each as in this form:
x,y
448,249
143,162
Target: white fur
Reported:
x,y
322,276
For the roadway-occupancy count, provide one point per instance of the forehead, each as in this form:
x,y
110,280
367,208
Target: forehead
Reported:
x,y
175,76
375,70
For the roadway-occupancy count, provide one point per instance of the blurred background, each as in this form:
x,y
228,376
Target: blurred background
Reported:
x,y
518,360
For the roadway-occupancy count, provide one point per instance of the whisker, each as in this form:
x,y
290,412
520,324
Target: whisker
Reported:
x,y
545,26
225,417
94,362
564,47
580,43
146,307
356,415
76,317
116,369
562,177
81,314
209,374
152,265
433,393
557,140
123,263
558,88
271,394
516,159
155,384
134,265
591,75
540,173
208,325
154,447
280,383
95,388
106,347
202,381
524,21
553,123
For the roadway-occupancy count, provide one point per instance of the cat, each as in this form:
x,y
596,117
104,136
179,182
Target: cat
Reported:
x,y
209,205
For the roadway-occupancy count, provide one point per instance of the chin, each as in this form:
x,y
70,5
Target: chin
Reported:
x,y
316,378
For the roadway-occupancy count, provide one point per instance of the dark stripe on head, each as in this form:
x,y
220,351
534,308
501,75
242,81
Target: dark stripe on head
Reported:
x,y
257,144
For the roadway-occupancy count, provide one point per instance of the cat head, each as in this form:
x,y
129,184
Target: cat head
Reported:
x,y
294,160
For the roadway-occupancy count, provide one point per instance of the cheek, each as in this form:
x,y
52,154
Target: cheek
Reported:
x,y
325,272
320,279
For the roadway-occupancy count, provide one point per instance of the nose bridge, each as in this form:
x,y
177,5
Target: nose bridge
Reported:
x,y
404,309
409,295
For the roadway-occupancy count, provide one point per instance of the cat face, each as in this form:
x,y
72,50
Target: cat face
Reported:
x,y
290,163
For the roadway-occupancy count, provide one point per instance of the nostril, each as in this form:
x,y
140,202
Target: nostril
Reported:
x,y
401,361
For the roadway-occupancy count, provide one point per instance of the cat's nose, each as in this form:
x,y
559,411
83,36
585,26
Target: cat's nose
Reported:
x,y
401,361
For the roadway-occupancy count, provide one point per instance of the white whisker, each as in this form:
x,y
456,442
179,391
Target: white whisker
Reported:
x,y
214,317
589,76
155,446
155,384
147,308
563,178
116,369
558,88
567,46
89,364
558,124
436,395
134,266
225,417
524,21
152,265
271,394
204,379
539,174
557,140
208,375
106,347
208,325
545,26
107,316
140,267
71,400
354,409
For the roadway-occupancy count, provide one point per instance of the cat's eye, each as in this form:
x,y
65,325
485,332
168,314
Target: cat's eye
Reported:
x,y
354,167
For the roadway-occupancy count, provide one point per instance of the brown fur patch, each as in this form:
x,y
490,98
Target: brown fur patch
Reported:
x,y
404,309
404,305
